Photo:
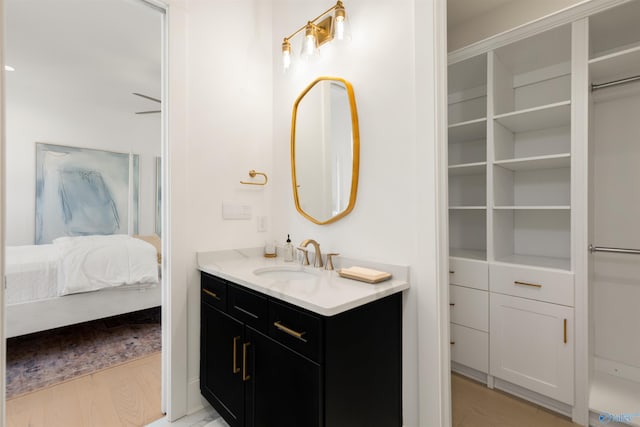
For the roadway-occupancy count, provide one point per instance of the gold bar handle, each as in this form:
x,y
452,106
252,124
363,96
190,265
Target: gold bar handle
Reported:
x,y
245,377
452,342
211,294
451,271
533,285
289,331
451,304
235,368
565,331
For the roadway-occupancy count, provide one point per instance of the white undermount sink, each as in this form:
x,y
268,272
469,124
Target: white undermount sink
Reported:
x,y
285,272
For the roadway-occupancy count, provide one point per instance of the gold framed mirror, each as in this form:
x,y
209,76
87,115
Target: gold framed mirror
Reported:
x,y
325,150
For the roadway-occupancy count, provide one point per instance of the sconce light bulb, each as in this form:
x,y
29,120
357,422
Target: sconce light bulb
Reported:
x,y
309,43
341,29
286,54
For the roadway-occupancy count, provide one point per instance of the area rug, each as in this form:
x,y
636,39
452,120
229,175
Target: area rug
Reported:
x,y
50,357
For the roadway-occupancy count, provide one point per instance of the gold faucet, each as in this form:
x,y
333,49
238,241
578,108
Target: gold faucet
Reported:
x,y
316,247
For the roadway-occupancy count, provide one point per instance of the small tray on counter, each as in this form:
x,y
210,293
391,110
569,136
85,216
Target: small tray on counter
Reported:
x,y
362,274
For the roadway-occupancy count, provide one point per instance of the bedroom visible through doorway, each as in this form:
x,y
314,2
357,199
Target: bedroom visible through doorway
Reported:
x,y
83,173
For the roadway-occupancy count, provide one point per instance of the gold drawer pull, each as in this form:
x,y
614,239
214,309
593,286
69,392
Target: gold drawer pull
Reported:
x,y
289,331
452,272
452,342
235,368
534,285
245,376
565,331
211,294
452,304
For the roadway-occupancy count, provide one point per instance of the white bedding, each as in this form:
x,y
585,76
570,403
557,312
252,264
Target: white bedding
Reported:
x,y
78,264
89,263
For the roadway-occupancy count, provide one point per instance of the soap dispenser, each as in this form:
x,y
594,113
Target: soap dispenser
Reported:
x,y
288,250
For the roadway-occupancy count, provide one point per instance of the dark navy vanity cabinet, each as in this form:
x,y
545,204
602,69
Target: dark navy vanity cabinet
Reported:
x,y
267,363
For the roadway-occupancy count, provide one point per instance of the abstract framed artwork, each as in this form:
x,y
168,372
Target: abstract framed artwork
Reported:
x,y
81,191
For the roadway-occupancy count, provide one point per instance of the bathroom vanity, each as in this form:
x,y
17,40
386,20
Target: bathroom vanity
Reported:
x,y
289,346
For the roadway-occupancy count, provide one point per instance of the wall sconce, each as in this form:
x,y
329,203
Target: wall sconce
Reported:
x,y
316,34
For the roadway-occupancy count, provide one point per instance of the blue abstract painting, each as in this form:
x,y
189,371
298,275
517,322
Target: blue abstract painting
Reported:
x,y
83,191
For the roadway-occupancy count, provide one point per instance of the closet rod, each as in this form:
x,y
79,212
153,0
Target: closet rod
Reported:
x,y
614,83
593,249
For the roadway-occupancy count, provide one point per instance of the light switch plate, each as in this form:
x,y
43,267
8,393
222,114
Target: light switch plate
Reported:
x,y
232,210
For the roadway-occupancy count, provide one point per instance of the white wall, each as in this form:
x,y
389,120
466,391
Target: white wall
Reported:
x,y
503,18
380,62
229,104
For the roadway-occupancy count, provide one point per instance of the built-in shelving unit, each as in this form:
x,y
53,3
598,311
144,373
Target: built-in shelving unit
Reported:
x,y
510,213
468,158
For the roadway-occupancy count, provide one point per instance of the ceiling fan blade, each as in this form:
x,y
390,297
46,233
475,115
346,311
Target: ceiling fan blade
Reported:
x,y
148,112
147,97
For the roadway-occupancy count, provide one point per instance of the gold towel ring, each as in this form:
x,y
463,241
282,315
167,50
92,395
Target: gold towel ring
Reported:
x,y
252,174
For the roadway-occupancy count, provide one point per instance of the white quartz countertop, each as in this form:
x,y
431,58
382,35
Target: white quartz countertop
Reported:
x,y
322,291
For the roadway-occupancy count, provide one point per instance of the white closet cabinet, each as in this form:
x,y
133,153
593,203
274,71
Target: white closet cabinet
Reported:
x,y
531,345
510,186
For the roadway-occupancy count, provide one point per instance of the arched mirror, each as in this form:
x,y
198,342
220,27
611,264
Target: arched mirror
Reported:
x,y
325,150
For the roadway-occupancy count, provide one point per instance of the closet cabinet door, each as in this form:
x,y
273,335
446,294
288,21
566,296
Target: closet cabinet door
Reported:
x,y
532,345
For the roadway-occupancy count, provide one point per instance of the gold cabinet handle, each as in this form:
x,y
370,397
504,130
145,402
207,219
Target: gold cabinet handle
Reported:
x,y
289,331
211,294
235,368
245,376
452,304
534,285
451,271
565,331
452,342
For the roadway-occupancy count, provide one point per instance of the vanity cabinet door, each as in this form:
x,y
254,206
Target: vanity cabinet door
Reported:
x,y
221,345
284,388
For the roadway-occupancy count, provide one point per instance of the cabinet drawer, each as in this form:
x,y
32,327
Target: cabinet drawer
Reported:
x,y
468,272
214,291
469,307
296,329
248,307
470,347
534,283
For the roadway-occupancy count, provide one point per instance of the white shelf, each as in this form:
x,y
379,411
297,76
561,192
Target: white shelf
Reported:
x,y
477,168
467,208
537,261
553,161
471,130
468,253
532,208
544,117
615,66
614,395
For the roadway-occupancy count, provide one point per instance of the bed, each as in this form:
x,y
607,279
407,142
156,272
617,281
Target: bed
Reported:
x,y
78,279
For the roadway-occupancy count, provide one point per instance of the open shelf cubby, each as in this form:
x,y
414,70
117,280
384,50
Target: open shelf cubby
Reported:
x,y
533,72
521,186
614,30
467,89
468,233
535,237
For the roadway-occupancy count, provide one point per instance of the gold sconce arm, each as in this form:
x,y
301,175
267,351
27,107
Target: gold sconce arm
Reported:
x,y
252,174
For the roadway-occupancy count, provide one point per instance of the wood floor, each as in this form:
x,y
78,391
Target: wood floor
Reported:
x,y
124,395
475,405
